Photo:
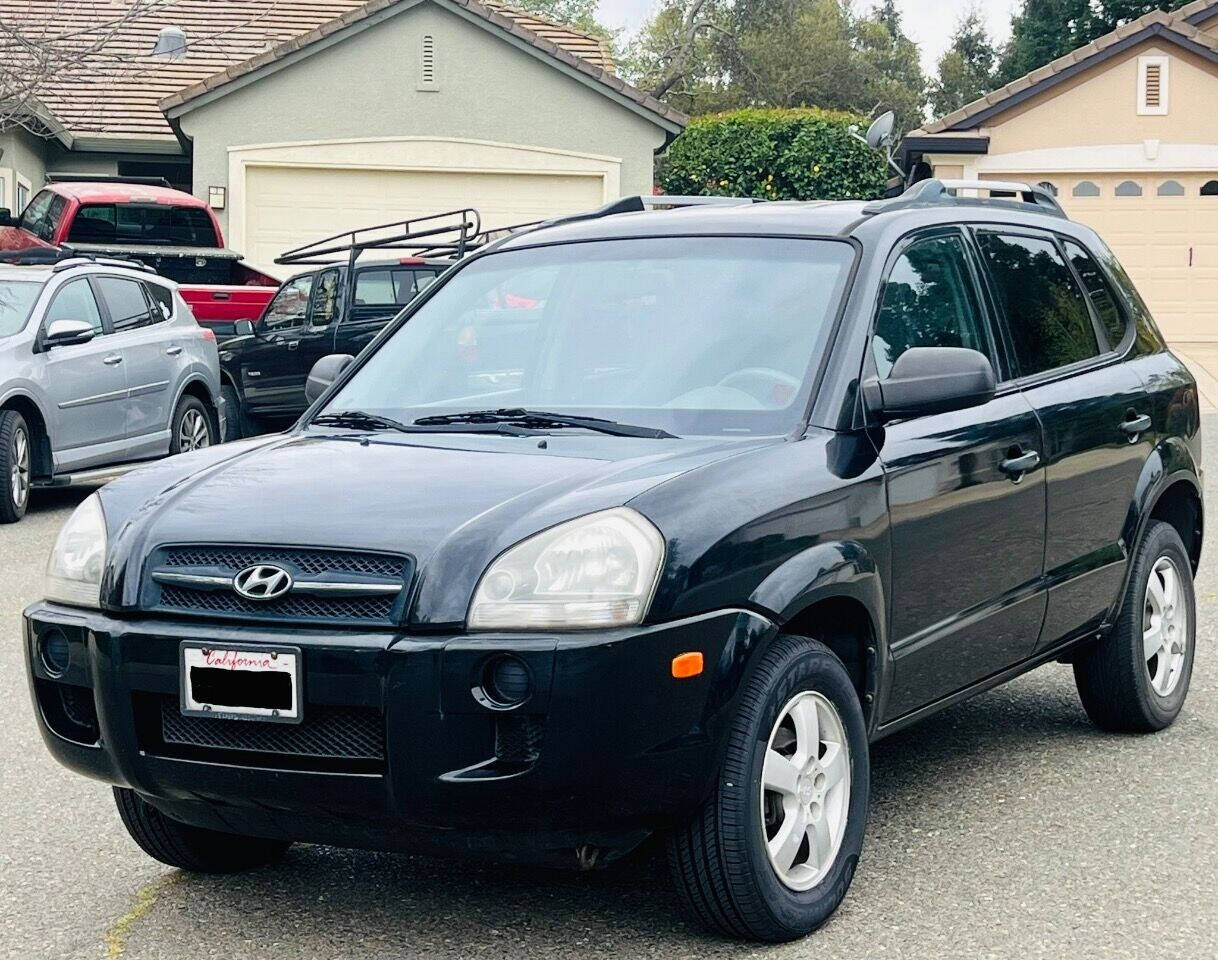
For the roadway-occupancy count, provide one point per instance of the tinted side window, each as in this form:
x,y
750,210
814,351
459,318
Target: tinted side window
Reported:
x,y
34,216
928,300
162,301
75,301
1106,307
395,287
1045,310
290,306
126,301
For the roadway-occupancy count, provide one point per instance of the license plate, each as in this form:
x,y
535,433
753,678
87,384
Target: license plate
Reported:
x,y
241,682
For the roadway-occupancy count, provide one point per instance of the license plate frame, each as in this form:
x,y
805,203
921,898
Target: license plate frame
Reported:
x,y
236,658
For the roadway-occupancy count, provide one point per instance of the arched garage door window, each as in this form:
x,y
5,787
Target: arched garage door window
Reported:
x,y
1127,188
1085,189
1210,189
1171,188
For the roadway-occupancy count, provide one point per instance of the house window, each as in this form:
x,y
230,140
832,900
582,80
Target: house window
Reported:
x,y
1152,86
427,63
1127,188
23,196
1210,189
1048,187
1085,189
1171,188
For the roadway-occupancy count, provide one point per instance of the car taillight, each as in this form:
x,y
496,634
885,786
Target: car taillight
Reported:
x,y
209,334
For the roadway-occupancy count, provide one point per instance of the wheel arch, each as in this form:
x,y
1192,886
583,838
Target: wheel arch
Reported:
x,y
833,593
27,406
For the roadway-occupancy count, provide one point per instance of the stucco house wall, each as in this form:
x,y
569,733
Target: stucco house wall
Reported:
x,y
366,86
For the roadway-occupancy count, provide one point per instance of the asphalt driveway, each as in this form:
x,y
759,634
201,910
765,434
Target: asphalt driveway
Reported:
x,y
1006,827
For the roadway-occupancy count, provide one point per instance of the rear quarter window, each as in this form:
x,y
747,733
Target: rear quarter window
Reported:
x,y
162,301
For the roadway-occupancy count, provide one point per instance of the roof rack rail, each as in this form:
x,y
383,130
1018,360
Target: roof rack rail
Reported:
x,y
929,193
452,231
65,258
70,177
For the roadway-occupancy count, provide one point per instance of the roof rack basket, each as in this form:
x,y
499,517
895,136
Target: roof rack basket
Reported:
x,y
449,233
930,193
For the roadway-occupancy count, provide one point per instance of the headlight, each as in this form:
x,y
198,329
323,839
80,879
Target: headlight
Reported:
x,y
75,568
596,571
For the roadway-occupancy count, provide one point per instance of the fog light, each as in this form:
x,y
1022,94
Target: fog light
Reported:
x,y
56,652
505,681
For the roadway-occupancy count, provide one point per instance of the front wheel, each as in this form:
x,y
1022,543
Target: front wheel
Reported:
x,y
16,466
773,851
192,427
194,849
1135,679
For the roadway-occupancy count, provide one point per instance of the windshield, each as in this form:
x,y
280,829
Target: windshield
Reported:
x,y
697,335
16,300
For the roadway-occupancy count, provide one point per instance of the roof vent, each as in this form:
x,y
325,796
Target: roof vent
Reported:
x,y
170,43
427,63
1152,86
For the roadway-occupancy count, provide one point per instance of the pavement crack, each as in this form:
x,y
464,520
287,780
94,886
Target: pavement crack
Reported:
x,y
115,938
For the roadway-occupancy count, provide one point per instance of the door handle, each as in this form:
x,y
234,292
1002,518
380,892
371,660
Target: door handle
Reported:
x,y
1135,425
173,352
1018,464
293,344
113,360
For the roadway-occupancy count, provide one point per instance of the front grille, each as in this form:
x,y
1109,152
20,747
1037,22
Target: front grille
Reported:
x,y
329,737
285,608
305,564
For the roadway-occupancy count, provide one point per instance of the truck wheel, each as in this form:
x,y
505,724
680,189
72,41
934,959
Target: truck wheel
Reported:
x,y
16,466
191,848
192,427
1135,679
240,423
771,854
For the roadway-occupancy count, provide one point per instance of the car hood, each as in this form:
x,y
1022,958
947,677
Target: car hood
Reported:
x,y
451,501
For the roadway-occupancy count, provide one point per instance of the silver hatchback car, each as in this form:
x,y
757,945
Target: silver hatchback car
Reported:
x,y
101,364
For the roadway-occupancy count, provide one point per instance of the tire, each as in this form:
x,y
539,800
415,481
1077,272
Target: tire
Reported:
x,y
240,423
191,848
192,427
16,466
1120,683
719,860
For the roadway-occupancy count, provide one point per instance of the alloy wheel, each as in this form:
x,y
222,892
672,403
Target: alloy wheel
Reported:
x,y
1164,627
19,481
193,431
805,790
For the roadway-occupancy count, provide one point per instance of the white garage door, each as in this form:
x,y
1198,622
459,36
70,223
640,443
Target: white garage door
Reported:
x,y
290,205
1164,229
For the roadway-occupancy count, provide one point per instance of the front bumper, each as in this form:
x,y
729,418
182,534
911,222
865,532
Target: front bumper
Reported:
x,y
607,747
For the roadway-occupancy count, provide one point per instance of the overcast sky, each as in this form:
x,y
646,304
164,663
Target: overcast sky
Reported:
x,y
929,22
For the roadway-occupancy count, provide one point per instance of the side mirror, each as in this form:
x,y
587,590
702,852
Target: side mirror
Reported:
x,y
927,380
6,217
243,328
64,333
325,371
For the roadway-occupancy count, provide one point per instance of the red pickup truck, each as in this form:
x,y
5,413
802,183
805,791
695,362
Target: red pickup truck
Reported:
x,y
173,232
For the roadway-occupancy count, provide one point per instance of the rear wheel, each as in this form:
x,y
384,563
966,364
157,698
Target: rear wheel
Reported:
x,y
16,466
240,423
772,853
1135,679
191,848
193,428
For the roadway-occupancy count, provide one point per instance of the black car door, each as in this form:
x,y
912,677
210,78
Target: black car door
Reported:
x,y
268,361
966,498
1069,339
317,338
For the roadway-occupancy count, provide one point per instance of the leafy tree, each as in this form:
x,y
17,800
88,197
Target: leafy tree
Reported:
x,y
890,67
677,56
966,69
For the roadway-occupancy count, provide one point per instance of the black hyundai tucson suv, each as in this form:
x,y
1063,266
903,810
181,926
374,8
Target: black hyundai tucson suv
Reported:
x,y
645,522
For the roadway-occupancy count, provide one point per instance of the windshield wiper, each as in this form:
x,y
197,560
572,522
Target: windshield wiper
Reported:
x,y
544,420
362,420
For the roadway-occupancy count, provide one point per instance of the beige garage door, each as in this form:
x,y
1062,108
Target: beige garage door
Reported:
x,y
1164,229
288,206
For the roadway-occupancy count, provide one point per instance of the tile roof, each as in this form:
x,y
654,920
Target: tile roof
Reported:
x,y
118,93
1174,23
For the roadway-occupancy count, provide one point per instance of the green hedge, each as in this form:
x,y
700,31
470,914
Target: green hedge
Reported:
x,y
795,154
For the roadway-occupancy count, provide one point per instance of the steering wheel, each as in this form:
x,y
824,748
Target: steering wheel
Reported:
x,y
771,387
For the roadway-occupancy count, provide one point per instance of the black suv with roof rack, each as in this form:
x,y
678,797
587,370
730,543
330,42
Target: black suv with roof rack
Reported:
x,y
610,535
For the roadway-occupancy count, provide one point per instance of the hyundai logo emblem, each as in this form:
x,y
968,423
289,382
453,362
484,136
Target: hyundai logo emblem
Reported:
x,y
262,581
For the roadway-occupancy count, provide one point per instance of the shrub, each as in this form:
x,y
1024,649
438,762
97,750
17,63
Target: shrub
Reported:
x,y
799,153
